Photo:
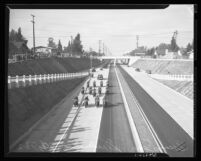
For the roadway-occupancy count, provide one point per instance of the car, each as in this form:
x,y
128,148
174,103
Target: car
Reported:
x,y
93,69
148,71
100,77
137,70
101,68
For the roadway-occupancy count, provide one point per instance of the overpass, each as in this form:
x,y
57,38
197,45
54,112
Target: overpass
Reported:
x,y
126,59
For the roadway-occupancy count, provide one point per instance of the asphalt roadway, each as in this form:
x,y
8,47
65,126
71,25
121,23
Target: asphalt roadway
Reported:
x,y
115,133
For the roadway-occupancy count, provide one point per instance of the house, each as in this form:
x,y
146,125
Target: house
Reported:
x,y
65,54
171,55
139,54
18,50
43,51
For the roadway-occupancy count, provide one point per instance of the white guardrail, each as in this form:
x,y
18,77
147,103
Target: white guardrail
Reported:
x,y
172,77
38,79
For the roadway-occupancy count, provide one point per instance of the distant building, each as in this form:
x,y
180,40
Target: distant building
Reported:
x,y
65,54
139,54
171,55
43,49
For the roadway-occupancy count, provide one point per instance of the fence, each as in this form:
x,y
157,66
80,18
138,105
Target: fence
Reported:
x,y
172,77
39,79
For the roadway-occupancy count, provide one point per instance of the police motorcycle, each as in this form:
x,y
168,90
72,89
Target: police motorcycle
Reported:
x,y
86,100
75,101
97,101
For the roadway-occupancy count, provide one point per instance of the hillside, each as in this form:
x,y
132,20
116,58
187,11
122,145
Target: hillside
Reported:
x,y
165,66
183,87
50,66
27,105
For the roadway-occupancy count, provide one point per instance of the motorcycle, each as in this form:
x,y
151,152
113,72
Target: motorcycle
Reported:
x,y
82,91
97,101
104,102
107,84
107,90
90,90
86,102
88,84
94,84
101,83
94,93
99,90
75,102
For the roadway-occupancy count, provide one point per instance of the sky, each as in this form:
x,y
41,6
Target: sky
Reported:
x,y
117,29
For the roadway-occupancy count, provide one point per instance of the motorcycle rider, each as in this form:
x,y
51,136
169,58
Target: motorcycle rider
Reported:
x,y
99,90
75,101
101,83
86,99
94,83
90,90
94,92
97,101
82,91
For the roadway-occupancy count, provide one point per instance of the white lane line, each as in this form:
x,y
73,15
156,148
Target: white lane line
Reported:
x,y
155,136
135,134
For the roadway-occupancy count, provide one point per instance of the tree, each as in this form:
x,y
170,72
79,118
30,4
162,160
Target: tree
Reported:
x,y
59,49
162,47
76,46
51,43
187,50
17,43
150,52
19,35
173,46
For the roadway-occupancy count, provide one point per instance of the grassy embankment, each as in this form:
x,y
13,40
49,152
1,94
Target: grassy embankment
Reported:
x,y
50,66
27,105
165,66
170,67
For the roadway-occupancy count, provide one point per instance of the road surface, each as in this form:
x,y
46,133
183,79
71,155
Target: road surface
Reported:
x,y
174,139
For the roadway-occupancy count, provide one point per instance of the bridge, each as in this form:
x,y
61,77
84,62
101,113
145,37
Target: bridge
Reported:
x,y
125,59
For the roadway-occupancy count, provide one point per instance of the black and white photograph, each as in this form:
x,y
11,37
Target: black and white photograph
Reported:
x,y
101,81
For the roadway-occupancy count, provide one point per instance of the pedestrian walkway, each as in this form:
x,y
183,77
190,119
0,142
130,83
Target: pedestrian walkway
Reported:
x,y
81,134
179,107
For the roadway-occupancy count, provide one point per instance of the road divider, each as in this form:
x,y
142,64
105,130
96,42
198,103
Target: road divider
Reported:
x,y
135,134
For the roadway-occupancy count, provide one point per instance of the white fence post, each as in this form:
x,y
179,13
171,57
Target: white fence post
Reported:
x,y
44,78
17,81
24,80
35,79
40,79
63,76
9,83
30,80
48,78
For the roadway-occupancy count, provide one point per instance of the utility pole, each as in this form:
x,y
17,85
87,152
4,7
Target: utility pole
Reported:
x,y
90,50
71,45
33,33
99,47
137,37
103,48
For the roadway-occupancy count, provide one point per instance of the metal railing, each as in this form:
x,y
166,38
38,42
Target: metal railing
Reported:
x,y
24,80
